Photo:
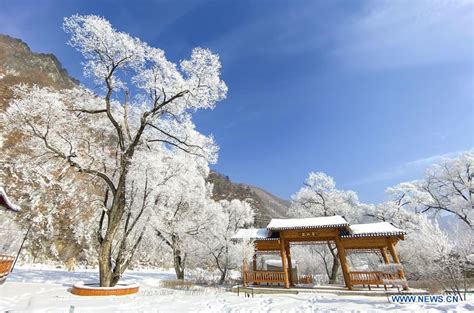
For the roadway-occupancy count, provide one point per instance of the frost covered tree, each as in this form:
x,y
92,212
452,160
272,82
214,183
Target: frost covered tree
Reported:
x,y
143,107
216,241
427,252
446,187
183,209
320,197
454,270
417,250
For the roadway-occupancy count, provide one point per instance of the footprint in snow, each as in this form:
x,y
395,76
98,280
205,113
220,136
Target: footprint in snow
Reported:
x,y
217,305
264,305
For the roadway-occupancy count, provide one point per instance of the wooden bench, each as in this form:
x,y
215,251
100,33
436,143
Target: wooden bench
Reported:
x,y
264,277
371,278
6,264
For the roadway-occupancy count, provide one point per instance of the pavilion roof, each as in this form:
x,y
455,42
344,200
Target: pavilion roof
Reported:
x,y
308,223
254,233
380,229
374,230
6,203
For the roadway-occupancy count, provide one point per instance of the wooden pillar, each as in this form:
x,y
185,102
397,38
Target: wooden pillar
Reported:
x,y
284,261
341,252
393,252
290,265
245,269
385,258
254,266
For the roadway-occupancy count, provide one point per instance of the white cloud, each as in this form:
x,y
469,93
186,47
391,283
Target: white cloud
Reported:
x,y
401,170
392,34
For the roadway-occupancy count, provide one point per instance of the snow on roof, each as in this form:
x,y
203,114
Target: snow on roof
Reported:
x,y
253,233
374,230
5,202
306,223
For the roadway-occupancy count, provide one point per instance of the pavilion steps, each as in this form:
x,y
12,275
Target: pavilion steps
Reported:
x,y
331,289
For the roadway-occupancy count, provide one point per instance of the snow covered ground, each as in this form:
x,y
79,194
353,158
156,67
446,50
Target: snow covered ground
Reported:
x,y
46,290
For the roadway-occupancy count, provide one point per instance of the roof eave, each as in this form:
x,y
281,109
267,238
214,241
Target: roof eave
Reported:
x,y
309,227
400,235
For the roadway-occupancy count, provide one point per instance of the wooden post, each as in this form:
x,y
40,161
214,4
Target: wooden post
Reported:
x,y
385,258
290,265
284,261
254,265
393,252
341,252
245,269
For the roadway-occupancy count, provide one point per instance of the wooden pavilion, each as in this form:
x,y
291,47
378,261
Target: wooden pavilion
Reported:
x,y
358,238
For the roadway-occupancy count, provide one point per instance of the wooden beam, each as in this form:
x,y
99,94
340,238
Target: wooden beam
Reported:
x,y
310,239
290,265
344,265
316,234
267,245
365,243
284,262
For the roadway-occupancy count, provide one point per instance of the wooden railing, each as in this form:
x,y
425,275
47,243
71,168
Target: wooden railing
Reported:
x,y
306,279
371,278
6,263
264,277
366,278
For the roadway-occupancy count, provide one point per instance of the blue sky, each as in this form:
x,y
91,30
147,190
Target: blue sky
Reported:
x,y
370,92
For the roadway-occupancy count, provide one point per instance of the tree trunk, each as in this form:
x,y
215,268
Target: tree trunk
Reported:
x,y
178,264
335,264
334,270
224,269
105,266
114,217
223,276
178,259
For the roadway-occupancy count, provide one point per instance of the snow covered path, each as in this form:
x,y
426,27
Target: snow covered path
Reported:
x,y
36,290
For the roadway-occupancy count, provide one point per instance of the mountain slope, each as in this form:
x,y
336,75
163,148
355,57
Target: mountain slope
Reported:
x,y
274,206
18,64
266,205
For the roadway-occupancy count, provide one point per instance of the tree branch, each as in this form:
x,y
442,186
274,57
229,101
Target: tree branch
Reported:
x,y
88,111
